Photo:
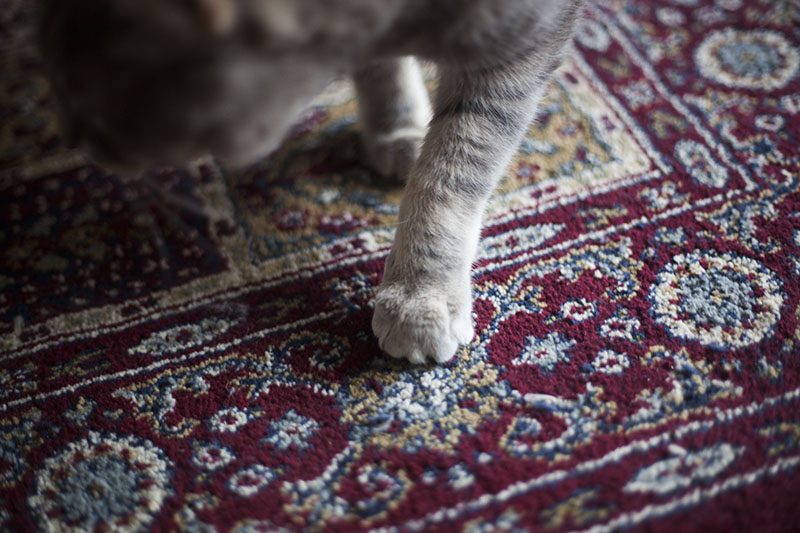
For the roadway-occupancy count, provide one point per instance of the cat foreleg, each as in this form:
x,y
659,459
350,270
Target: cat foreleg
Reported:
x,y
423,306
395,111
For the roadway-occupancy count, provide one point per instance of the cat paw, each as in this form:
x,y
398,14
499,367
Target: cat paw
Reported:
x,y
394,155
421,324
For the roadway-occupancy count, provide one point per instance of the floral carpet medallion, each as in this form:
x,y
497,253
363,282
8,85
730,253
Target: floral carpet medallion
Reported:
x,y
192,350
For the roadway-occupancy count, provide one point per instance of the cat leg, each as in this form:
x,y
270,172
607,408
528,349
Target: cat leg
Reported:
x,y
423,306
395,111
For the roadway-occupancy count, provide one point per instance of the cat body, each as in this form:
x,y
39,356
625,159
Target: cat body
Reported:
x,y
143,82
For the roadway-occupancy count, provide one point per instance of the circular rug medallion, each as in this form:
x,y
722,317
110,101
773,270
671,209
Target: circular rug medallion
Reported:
x,y
721,300
751,59
102,481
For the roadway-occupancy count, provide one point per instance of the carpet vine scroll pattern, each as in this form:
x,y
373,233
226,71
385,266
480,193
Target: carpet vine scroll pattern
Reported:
x,y
191,351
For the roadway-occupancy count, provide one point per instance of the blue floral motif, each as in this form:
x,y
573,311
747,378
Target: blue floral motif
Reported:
x,y
101,481
230,419
421,396
578,310
700,164
521,431
621,325
211,456
545,352
382,486
639,93
610,362
251,480
737,222
663,196
292,430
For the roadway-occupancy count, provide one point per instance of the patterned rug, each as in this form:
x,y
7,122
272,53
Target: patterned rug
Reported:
x,y
192,351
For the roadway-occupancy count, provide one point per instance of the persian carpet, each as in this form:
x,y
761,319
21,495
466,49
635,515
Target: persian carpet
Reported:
x,y
192,350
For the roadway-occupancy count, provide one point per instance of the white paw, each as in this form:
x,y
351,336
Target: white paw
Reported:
x,y
394,155
422,323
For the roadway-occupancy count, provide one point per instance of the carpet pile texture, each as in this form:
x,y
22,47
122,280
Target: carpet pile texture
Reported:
x,y
192,351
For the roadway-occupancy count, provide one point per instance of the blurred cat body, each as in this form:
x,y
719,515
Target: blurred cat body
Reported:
x,y
146,82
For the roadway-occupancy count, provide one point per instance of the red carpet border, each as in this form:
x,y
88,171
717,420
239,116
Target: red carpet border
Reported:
x,y
192,351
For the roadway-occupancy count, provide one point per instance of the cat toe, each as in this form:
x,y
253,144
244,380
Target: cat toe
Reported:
x,y
462,328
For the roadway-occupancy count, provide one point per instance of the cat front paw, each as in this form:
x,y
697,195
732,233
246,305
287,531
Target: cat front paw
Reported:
x,y
422,323
393,155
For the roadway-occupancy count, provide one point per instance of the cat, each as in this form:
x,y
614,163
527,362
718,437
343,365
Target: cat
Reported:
x,y
145,82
